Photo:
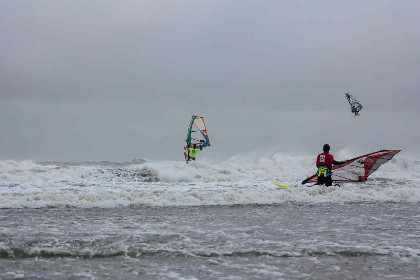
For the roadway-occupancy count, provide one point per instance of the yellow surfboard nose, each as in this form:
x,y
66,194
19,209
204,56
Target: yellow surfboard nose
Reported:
x,y
282,185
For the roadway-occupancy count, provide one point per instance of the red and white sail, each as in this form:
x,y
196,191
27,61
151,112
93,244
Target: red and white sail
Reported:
x,y
358,169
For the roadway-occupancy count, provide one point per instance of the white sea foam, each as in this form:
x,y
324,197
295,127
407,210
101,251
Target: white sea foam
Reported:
x,y
239,180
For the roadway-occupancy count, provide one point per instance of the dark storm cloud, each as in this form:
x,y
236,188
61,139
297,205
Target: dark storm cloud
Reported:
x,y
110,79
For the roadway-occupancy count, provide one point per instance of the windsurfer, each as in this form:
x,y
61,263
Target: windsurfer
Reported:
x,y
324,163
354,104
196,139
192,151
355,111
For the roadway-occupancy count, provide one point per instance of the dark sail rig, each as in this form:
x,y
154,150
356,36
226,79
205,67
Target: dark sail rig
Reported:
x,y
356,107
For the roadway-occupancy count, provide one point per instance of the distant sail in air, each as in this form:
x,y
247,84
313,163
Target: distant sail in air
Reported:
x,y
358,169
354,104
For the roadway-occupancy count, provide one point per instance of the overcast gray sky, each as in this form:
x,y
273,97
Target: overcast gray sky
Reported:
x,y
118,80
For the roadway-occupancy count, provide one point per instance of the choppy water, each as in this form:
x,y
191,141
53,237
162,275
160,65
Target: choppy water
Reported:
x,y
168,220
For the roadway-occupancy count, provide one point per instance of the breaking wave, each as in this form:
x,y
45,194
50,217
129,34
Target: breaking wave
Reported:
x,y
240,180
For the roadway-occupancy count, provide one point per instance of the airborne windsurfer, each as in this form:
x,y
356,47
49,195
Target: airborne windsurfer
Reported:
x,y
354,104
192,152
324,163
197,138
355,111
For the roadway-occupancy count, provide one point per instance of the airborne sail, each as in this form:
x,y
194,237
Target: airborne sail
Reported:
x,y
197,133
355,105
358,169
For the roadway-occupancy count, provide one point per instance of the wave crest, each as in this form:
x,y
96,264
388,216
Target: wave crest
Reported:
x,y
236,181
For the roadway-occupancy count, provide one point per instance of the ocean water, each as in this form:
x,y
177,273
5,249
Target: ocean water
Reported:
x,y
168,220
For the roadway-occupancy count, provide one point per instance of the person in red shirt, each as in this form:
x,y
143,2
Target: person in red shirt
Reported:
x,y
324,163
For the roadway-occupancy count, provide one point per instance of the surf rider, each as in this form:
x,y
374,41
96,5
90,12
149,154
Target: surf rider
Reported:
x,y
193,151
354,110
324,163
